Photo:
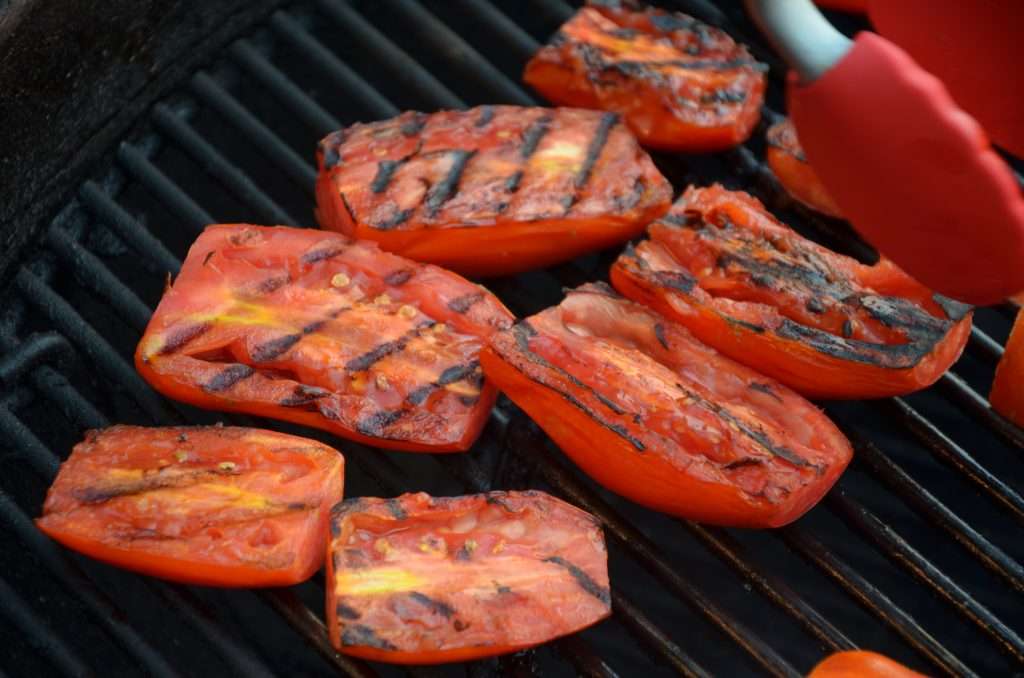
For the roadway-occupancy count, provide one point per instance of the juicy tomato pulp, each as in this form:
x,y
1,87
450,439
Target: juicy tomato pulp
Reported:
x,y
789,164
423,580
215,506
1007,396
654,415
817,321
680,84
491,190
861,664
311,327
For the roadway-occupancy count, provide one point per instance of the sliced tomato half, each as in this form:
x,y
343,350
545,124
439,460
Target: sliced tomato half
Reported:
x,y
680,84
426,580
789,164
861,664
492,190
658,417
216,506
817,321
311,327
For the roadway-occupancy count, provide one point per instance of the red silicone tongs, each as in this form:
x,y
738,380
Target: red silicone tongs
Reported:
x,y
914,174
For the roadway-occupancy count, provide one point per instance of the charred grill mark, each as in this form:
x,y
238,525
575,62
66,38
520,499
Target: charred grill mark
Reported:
x,y
512,183
449,376
419,395
399,277
462,304
744,324
521,332
414,125
381,351
317,256
498,499
648,69
345,612
597,144
628,202
583,579
745,461
385,170
360,634
457,373
275,347
395,509
533,135
486,115
954,310
272,284
228,377
668,23
814,305
437,606
374,425
680,281
209,255
303,395
395,219
764,388
331,157
724,96
339,510
847,328
758,437
179,337
446,189
659,333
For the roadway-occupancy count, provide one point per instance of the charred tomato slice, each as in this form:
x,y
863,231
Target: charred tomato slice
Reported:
x,y
491,190
314,328
658,417
216,506
1007,396
861,664
426,580
789,164
680,84
819,322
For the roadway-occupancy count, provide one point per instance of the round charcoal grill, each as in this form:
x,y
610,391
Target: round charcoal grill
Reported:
x,y
132,125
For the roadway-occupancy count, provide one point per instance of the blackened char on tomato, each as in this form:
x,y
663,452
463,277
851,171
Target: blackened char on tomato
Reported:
x,y
314,328
679,83
820,322
420,579
653,414
491,190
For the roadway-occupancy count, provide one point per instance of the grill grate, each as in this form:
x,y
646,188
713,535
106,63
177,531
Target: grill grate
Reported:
x,y
876,565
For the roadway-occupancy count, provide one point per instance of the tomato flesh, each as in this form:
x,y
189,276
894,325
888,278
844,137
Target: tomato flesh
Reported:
x,y
817,321
422,580
789,164
217,506
654,415
311,327
492,190
1007,396
680,84
861,664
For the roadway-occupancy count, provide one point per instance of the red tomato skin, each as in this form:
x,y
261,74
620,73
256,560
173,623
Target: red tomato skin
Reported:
x,y
198,557
1007,395
813,373
564,72
219,306
581,183
437,645
649,477
789,164
861,664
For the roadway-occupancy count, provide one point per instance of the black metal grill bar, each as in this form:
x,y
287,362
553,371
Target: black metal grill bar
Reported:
x,y
958,391
583,659
220,100
39,635
948,451
217,166
312,114
889,542
388,56
127,227
36,349
338,71
637,623
925,503
555,12
98,604
138,166
985,346
874,600
25,444
93,273
519,41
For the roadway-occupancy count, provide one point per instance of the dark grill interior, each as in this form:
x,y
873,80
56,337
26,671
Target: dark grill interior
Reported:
x,y
913,554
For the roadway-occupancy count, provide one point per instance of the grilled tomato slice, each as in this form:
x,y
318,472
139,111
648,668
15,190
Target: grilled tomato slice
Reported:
x,y
426,580
216,506
1007,396
658,417
492,190
789,164
861,664
680,84
313,328
817,321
